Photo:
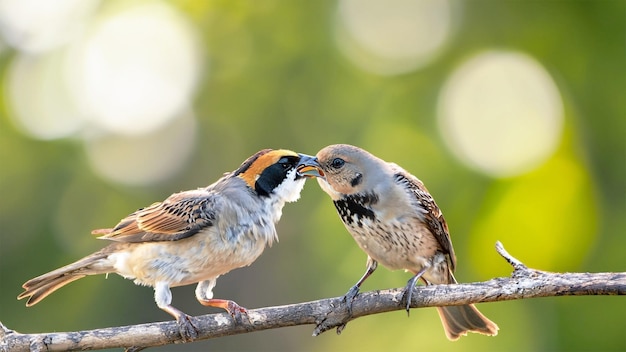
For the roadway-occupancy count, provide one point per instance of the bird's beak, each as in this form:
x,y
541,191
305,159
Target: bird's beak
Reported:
x,y
309,167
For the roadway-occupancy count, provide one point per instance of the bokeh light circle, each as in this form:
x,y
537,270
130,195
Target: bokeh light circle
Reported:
x,y
38,98
146,158
136,69
389,38
36,26
501,113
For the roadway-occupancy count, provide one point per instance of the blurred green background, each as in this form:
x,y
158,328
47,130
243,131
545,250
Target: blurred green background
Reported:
x,y
511,112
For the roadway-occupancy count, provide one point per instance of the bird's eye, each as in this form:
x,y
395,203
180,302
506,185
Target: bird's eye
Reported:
x,y
337,163
285,162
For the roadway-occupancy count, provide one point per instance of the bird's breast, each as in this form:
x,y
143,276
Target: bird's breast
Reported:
x,y
395,244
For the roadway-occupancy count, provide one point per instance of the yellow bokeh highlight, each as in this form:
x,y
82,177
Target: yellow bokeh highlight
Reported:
x,y
547,218
501,113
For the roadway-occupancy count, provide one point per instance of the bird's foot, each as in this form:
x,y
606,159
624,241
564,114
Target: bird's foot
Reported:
x,y
188,331
348,299
231,307
410,286
236,311
339,315
406,297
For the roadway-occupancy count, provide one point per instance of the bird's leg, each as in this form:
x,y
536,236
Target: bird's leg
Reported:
x,y
354,290
410,286
204,295
163,298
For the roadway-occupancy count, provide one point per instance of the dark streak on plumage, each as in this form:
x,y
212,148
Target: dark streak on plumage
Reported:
x,y
197,211
357,180
433,218
356,207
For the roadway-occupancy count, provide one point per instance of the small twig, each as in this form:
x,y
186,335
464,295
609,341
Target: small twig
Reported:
x,y
516,264
328,313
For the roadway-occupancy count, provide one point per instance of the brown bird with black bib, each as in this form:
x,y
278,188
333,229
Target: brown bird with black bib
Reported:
x,y
193,236
394,219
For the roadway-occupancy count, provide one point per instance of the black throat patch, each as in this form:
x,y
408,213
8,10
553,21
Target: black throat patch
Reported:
x,y
353,208
269,179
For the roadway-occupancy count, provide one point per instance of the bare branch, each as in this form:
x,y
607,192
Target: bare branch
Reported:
x,y
329,313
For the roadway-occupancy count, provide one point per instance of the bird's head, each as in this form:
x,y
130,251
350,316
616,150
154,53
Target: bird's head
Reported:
x,y
342,170
272,173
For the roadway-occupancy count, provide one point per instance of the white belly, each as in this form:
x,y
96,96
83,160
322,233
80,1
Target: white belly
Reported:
x,y
200,257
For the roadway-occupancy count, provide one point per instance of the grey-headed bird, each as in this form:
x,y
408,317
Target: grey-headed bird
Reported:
x,y
395,220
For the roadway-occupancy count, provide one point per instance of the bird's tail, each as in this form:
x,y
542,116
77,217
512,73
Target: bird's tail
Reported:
x,y
458,320
40,287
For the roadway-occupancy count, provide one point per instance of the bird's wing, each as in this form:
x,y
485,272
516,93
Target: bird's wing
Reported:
x,y
433,217
179,216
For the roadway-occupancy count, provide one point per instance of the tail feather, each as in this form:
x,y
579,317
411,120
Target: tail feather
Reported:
x,y
458,320
37,293
40,287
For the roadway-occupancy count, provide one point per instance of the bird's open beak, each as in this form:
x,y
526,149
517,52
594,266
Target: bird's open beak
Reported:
x,y
309,167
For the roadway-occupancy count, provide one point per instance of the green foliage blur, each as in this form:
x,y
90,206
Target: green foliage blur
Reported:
x,y
275,79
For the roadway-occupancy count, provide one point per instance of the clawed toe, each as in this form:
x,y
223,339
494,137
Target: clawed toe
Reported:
x,y
348,300
236,311
188,331
349,297
231,307
406,297
351,294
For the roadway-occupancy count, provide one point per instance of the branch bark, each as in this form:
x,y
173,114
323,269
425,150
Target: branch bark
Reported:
x,y
329,313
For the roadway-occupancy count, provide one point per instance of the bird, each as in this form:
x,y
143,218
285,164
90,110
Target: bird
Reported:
x,y
192,237
395,220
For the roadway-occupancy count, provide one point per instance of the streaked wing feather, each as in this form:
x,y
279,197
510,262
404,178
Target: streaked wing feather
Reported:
x,y
433,217
179,216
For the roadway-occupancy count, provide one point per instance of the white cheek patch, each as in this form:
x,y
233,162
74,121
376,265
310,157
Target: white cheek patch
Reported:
x,y
289,190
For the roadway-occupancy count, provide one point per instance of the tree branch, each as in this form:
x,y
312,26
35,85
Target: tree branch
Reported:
x,y
329,313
